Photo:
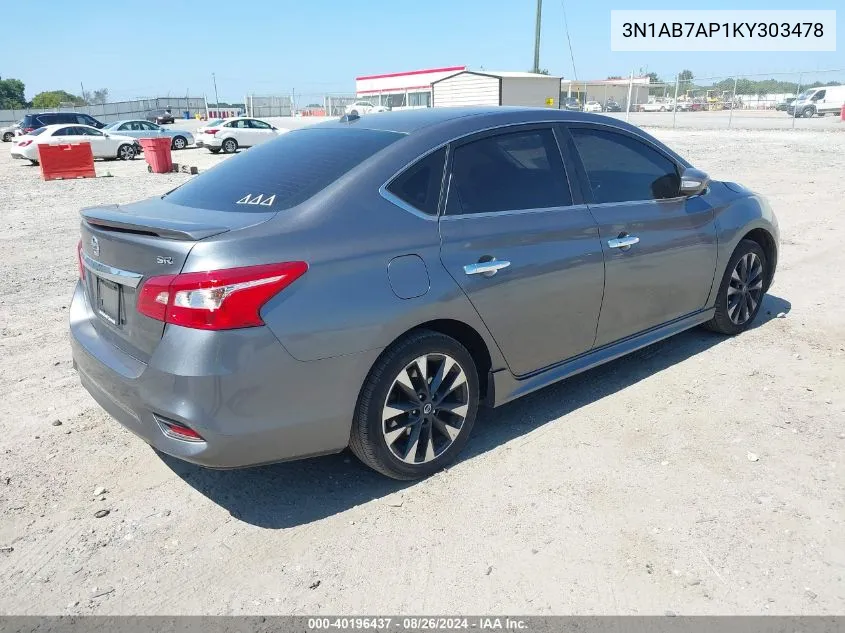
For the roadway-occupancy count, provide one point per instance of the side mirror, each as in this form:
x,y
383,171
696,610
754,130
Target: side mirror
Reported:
x,y
106,134
693,181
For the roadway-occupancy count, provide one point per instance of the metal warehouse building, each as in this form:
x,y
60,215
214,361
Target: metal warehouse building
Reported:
x,y
488,88
456,85
397,91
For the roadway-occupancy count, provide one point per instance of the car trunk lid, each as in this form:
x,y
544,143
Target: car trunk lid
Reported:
x,y
124,245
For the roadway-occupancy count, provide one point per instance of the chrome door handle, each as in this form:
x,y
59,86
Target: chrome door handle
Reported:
x,y
623,242
486,268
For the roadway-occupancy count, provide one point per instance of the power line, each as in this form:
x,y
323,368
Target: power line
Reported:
x,y
568,40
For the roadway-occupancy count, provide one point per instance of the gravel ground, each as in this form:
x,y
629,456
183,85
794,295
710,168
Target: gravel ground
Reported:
x,y
702,475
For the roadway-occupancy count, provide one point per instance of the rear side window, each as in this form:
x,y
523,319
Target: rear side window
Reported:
x,y
622,169
286,171
40,130
419,185
518,170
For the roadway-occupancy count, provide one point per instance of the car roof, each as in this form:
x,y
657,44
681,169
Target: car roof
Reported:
x,y
54,126
409,121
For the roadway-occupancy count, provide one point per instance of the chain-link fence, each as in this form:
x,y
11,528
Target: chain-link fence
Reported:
x,y
801,100
298,104
116,111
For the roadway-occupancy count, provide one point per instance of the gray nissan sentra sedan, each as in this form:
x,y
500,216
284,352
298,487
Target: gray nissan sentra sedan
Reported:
x,y
370,282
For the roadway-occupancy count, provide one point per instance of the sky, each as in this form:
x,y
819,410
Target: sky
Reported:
x,y
313,47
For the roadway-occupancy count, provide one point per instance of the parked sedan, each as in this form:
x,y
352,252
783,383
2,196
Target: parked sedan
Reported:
x,y
237,132
10,132
345,284
592,106
364,107
782,106
612,106
103,144
160,116
144,129
571,103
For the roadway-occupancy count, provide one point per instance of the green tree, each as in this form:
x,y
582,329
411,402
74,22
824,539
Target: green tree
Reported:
x,y
12,94
54,98
686,76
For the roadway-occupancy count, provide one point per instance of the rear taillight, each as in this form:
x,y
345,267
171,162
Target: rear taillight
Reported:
x,y
24,143
27,130
218,299
79,261
212,131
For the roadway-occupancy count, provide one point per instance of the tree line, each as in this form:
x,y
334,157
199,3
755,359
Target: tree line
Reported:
x,y
12,97
743,86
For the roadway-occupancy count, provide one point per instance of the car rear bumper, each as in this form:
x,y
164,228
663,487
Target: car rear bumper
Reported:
x,y
240,390
207,140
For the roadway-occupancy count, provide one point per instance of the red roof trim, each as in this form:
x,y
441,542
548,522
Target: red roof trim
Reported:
x,y
414,72
395,90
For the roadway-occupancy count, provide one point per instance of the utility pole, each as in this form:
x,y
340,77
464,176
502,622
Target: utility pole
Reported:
x,y
216,98
537,37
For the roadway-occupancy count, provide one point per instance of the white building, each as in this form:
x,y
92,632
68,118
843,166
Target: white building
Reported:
x,y
410,89
603,89
496,88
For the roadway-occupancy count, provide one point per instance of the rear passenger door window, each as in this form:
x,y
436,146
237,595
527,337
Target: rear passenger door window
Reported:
x,y
621,168
419,185
508,172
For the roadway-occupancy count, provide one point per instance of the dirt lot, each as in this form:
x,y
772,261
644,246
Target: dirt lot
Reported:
x,y
627,490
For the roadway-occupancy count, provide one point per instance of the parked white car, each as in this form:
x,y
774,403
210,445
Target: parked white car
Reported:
x,y
234,133
657,105
363,107
103,144
592,106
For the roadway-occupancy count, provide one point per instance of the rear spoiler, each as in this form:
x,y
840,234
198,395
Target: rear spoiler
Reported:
x,y
114,218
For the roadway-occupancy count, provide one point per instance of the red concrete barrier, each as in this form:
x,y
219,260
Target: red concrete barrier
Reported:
x,y
66,161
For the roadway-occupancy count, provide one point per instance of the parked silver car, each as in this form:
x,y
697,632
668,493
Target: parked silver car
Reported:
x,y
369,283
137,128
9,132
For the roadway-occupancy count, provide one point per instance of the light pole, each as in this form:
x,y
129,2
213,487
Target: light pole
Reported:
x,y
216,98
537,37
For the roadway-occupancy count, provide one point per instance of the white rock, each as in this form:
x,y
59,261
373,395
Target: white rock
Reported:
x,y
752,457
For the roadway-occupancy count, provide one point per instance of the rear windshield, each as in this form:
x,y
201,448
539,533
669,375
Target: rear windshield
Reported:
x,y
40,130
282,173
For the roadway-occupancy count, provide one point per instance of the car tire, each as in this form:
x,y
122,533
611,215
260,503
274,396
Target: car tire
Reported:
x,y
214,150
126,152
745,276
34,162
353,113
179,142
7,137
416,442
229,146
808,112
